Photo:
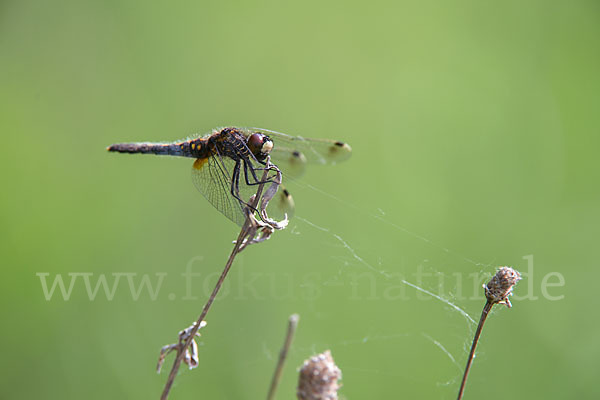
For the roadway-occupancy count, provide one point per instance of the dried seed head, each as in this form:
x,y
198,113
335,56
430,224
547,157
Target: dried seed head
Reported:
x,y
501,285
319,378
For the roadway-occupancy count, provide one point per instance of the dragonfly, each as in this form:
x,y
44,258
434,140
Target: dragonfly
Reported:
x,y
229,164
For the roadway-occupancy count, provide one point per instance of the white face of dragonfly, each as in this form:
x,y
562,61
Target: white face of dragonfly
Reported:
x,y
267,146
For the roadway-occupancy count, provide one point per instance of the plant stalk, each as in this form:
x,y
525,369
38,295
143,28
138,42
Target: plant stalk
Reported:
x,y
484,314
244,233
292,324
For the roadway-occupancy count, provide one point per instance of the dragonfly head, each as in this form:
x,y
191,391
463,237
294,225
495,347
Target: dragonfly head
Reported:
x,y
260,145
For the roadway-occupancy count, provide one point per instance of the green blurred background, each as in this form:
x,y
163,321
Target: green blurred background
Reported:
x,y
475,133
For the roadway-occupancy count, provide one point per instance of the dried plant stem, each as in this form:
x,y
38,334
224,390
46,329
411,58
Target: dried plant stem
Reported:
x,y
497,291
292,324
213,295
248,230
484,314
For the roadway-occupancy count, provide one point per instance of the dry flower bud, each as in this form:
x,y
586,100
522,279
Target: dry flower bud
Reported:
x,y
319,378
501,285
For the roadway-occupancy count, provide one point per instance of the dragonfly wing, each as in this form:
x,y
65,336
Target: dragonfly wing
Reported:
x,y
315,151
295,151
292,163
281,205
212,178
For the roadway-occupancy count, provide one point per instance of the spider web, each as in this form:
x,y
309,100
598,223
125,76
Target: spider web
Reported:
x,y
455,350
348,256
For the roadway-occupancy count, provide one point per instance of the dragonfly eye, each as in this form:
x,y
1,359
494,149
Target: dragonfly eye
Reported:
x,y
260,145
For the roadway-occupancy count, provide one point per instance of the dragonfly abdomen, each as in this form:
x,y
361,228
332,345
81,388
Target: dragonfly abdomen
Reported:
x,y
191,148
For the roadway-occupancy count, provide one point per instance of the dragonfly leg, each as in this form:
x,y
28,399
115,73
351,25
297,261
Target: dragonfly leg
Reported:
x,y
235,186
235,182
253,172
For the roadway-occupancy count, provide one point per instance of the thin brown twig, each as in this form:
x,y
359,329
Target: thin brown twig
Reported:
x,y
292,324
248,229
484,314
